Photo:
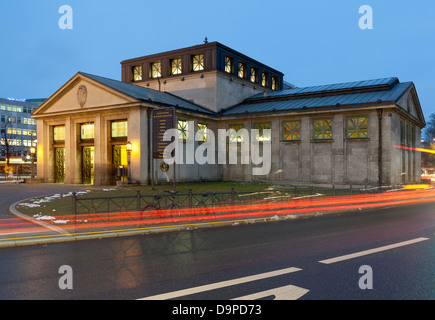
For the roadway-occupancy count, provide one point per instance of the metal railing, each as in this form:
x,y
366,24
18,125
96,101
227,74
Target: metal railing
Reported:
x,y
86,207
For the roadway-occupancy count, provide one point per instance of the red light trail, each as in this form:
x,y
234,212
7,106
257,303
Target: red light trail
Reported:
x,y
258,210
416,149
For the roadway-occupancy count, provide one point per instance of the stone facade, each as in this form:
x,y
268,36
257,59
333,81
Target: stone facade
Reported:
x,y
219,99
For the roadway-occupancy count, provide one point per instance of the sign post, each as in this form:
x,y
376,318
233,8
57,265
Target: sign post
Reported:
x,y
162,120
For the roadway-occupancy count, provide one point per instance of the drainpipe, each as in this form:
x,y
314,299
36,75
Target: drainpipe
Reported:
x,y
150,147
380,177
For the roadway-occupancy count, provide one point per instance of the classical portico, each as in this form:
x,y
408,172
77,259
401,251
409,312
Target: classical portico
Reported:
x,y
83,130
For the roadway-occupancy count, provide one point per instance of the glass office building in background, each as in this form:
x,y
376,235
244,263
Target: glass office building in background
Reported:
x,y
17,128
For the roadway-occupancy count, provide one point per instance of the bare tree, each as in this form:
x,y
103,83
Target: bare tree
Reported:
x,y
6,146
428,159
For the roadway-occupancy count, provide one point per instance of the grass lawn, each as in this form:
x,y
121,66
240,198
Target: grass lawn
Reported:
x,y
60,206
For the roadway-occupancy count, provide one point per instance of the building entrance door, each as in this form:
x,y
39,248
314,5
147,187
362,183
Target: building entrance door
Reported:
x,y
59,165
88,165
120,161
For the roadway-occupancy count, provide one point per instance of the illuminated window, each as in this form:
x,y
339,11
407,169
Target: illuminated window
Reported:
x,y
322,129
198,62
58,133
182,129
236,133
176,67
119,129
202,132
254,75
357,127
264,79
156,69
87,131
242,70
274,83
229,64
291,130
137,73
263,135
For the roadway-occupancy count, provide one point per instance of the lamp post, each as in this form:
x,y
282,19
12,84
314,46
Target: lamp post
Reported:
x,y
129,161
32,152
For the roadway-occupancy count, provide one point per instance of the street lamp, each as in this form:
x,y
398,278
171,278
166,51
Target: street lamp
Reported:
x,y
32,152
129,147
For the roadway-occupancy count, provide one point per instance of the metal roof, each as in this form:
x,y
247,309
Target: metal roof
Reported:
x,y
149,95
337,87
332,96
388,90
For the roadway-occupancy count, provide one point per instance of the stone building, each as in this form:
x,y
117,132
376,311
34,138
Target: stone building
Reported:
x,y
341,134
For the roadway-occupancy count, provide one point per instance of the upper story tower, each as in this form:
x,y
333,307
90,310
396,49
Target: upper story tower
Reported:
x,y
211,75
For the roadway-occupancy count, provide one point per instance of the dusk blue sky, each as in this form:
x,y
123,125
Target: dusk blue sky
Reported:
x,y
311,42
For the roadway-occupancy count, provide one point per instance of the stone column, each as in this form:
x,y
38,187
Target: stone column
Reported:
x,y
338,163
305,148
138,136
101,151
69,162
43,150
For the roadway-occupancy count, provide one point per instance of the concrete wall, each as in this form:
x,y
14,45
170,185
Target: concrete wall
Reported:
x,y
185,171
339,161
213,90
406,163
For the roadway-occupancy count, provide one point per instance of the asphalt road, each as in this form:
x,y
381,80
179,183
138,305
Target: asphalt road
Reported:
x,y
11,226
239,261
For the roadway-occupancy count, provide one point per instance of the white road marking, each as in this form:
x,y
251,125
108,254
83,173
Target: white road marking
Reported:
x,y
367,252
282,293
218,285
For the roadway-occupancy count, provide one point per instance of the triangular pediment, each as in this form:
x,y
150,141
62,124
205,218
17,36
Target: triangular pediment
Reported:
x,y
82,93
411,104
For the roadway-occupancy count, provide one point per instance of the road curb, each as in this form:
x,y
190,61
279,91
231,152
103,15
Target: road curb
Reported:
x,y
15,212
98,235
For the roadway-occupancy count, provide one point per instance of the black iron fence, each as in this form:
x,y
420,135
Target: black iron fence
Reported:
x,y
84,206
